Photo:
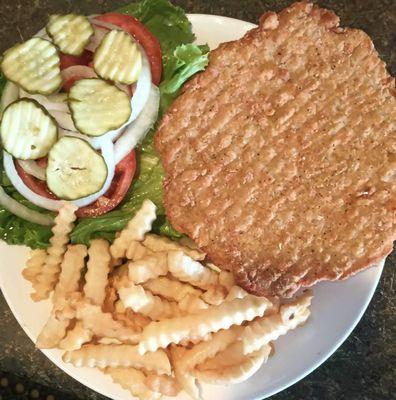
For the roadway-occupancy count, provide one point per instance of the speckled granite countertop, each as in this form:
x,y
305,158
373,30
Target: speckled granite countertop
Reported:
x,y
362,369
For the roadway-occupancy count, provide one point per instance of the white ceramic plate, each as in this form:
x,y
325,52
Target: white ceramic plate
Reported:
x,y
336,309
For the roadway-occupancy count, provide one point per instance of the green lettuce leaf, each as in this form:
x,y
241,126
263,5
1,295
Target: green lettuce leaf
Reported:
x,y
166,21
181,60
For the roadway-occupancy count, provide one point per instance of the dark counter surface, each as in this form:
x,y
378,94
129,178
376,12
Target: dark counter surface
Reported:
x,y
363,368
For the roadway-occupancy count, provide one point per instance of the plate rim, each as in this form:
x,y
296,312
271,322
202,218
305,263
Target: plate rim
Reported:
x,y
323,358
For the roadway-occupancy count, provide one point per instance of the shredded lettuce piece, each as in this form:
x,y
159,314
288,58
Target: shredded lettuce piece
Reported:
x,y
181,60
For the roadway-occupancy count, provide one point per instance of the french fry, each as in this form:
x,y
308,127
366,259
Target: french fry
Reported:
x,y
268,328
110,299
48,277
140,300
76,337
190,304
236,373
204,350
55,328
186,381
187,270
162,333
163,384
98,267
213,267
149,267
194,341
133,380
162,244
215,295
136,228
232,355
34,264
103,325
109,340
53,332
226,279
236,292
70,274
130,319
136,251
122,355
171,289
189,243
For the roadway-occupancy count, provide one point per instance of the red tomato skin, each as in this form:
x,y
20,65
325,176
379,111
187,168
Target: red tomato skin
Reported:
x,y
123,176
148,41
67,60
34,184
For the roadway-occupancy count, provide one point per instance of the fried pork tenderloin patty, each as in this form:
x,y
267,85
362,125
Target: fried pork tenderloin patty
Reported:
x,y
280,158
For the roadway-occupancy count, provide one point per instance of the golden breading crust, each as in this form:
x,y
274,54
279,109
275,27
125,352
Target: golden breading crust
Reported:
x,y
281,156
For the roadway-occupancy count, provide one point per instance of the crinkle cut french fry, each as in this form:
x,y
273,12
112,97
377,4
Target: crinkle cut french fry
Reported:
x,y
69,277
163,384
171,289
236,373
149,267
160,243
109,340
98,267
226,279
215,295
194,341
232,355
132,320
162,333
136,251
53,332
123,355
204,350
133,380
110,299
141,300
187,270
76,337
34,264
136,228
186,381
268,328
236,292
103,325
190,304
48,277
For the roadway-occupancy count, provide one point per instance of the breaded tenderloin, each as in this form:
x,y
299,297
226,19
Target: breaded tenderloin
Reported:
x,y
280,158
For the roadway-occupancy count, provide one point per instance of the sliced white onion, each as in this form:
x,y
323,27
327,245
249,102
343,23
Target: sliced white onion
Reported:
x,y
54,205
64,120
50,103
96,38
19,185
138,101
10,94
77,72
136,131
105,25
22,211
32,168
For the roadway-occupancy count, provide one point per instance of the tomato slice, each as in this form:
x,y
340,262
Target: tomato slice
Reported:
x,y
34,184
148,41
124,173
67,60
